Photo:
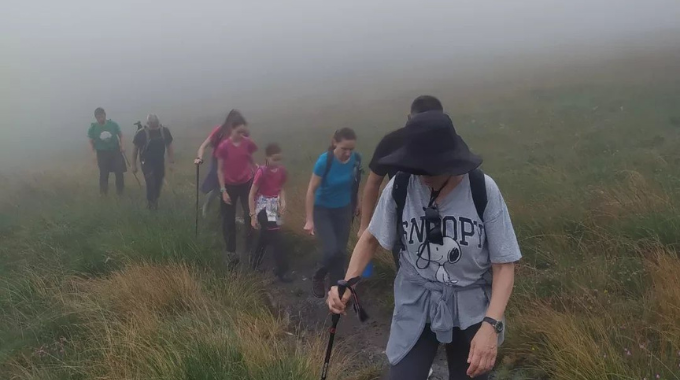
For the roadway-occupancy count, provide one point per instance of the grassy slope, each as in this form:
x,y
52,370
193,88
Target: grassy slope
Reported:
x,y
99,288
95,288
589,171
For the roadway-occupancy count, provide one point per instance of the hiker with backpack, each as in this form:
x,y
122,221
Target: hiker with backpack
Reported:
x,y
151,144
458,250
331,204
211,185
106,142
235,175
377,172
267,200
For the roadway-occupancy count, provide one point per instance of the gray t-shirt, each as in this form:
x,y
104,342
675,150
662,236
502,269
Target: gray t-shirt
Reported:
x,y
448,285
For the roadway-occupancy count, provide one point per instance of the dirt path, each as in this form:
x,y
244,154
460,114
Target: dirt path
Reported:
x,y
367,340
295,302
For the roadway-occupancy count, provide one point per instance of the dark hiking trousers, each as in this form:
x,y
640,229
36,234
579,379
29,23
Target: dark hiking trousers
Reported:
x,y
110,161
270,236
154,172
332,227
416,364
236,193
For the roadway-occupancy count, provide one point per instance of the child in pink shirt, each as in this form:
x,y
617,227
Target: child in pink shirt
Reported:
x,y
235,175
267,199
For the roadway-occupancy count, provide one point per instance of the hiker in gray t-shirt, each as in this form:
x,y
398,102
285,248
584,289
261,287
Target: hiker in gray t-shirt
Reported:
x,y
457,259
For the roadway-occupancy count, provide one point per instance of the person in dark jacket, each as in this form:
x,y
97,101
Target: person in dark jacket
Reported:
x,y
391,142
152,142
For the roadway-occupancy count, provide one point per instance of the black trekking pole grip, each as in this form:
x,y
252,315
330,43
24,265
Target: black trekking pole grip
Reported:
x,y
342,288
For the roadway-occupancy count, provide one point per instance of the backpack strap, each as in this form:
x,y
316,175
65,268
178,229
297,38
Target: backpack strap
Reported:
x,y
399,193
478,190
148,137
163,134
329,163
146,143
357,172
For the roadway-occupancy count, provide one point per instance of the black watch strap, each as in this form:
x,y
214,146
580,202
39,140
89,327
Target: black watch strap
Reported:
x,y
497,325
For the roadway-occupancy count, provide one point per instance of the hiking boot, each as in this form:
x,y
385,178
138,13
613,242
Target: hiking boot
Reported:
x,y
285,278
153,205
319,287
231,259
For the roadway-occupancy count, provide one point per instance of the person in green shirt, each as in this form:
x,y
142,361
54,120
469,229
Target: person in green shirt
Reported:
x,y
106,141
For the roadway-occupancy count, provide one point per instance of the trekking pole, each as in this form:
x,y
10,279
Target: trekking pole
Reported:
x,y
134,174
198,166
342,287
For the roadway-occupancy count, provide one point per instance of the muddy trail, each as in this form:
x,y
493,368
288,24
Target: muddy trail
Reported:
x,y
307,314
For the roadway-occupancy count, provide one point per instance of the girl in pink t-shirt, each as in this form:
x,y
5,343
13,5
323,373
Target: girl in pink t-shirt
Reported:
x,y
211,185
267,199
235,175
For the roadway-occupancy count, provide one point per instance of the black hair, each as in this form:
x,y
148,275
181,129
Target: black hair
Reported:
x,y
234,119
340,135
99,111
426,103
272,149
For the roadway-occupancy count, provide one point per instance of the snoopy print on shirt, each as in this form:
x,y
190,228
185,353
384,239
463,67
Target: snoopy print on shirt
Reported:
x,y
439,256
469,246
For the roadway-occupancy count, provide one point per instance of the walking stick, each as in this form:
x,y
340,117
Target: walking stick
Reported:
x,y
342,287
133,173
198,166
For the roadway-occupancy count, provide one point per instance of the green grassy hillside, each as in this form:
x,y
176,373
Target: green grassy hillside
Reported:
x,y
100,288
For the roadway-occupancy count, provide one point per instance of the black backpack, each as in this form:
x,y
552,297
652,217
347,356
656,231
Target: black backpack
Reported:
x,y
148,139
400,191
356,181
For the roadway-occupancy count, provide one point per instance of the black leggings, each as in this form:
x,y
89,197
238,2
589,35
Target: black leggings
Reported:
x,y
154,172
236,193
269,236
416,364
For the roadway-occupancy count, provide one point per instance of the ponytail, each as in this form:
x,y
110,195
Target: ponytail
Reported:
x,y
341,135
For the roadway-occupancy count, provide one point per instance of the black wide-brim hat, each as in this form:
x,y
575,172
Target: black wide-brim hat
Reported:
x,y
432,147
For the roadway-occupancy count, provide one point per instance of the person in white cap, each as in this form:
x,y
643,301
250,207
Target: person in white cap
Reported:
x,y
151,144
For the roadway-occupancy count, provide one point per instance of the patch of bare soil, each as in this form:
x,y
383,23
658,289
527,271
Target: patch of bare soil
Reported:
x,y
367,341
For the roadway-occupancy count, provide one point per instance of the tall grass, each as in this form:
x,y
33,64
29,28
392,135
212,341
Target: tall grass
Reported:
x,y
589,172
99,288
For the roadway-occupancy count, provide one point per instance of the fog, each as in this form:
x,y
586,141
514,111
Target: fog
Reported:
x,y
190,60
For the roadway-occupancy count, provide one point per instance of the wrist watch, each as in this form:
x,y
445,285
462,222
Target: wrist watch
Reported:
x,y
222,190
497,325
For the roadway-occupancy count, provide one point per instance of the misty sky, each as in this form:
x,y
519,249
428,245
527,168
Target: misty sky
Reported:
x,y
61,59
